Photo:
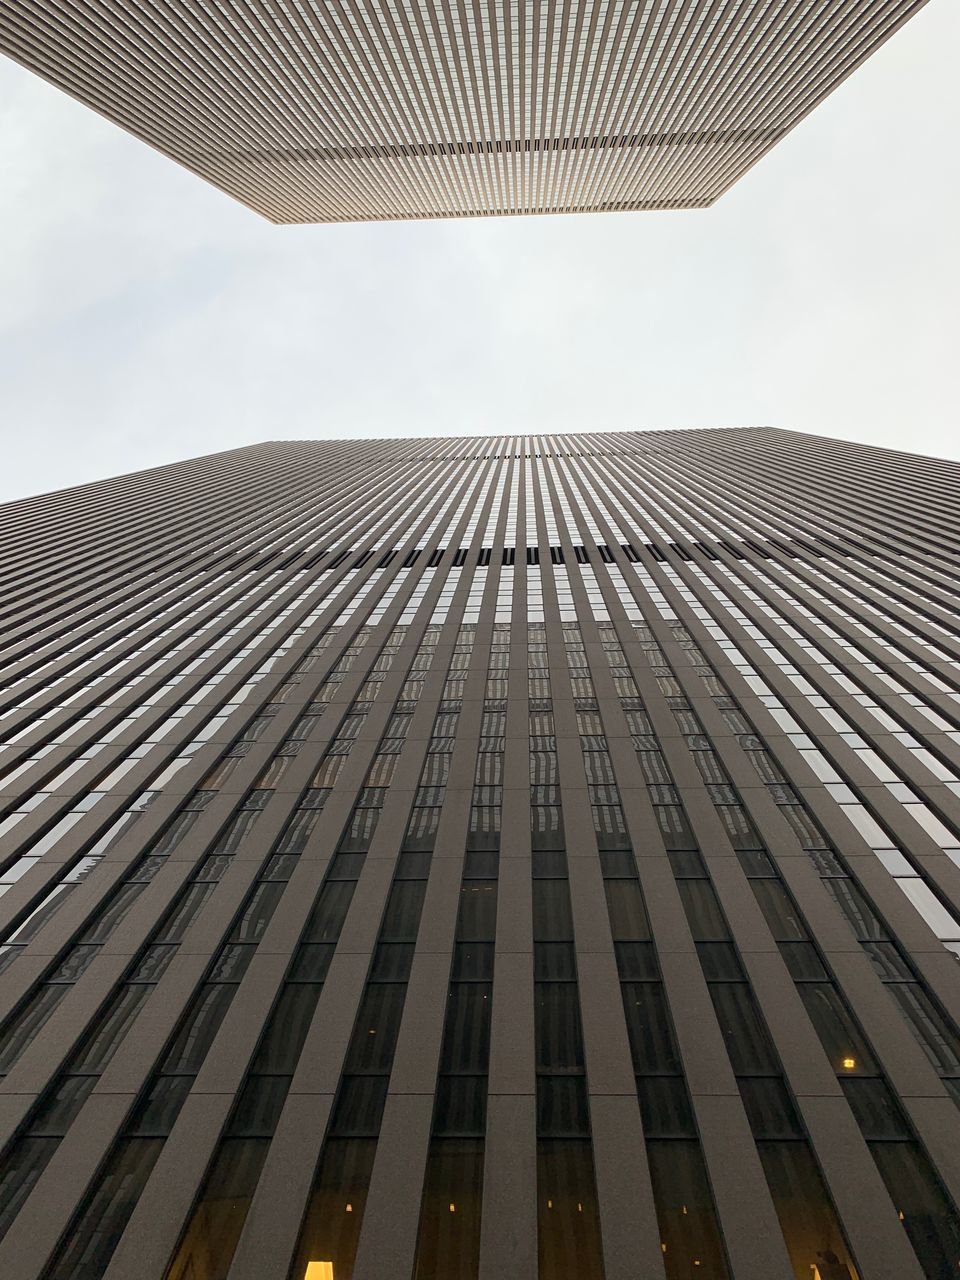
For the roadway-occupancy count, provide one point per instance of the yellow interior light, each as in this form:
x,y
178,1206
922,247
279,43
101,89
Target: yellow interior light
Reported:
x,y
319,1271
349,1207
453,1208
849,1064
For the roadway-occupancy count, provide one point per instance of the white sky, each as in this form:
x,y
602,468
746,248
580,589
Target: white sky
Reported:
x,y
146,317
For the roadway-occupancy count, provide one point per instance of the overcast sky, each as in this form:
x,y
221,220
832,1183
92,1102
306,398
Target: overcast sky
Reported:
x,y
146,317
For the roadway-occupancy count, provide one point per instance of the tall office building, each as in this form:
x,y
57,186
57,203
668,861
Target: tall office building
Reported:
x,y
530,857
323,111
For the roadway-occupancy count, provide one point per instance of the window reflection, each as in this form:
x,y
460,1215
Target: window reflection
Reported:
x,y
810,1228
922,1205
207,1249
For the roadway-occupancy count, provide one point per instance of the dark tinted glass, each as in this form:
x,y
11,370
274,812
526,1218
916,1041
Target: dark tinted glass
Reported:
x,y
466,1037
258,1107
568,1223
461,1106
878,1113
628,915
703,910
689,1234
649,1029
335,1208
86,1251
769,1108
927,1215
478,911
552,920
807,1216
562,1107
744,1034
665,1107
378,1021
359,1107
279,1050
448,1244
841,1038
557,1027
327,917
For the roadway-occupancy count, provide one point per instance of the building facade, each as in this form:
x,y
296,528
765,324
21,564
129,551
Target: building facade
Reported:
x,y
528,857
329,112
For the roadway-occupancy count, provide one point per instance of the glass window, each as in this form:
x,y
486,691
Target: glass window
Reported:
x,y
840,1036
22,1166
802,960
769,1108
703,910
311,962
546,827
860,915
557,1022
719,960
877,1111
562,1107
927,1216
748,1045
665,1107
258,1107
552,918
448,1242
184,913
649,1028
27,1024
628,914
780,912
568,1224
60,1107
554,961
674,827
327,916
334,1214
111,915
102,1042
257,912
359,1107
374,1036
401,919
461,1106
466,1033
807,1217
932,1031
199,1028
473,960
478,911
392,961
689,1233
159,1107
687,862
93,1236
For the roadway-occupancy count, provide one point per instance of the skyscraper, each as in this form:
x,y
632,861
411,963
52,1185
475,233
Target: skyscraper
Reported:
x,y
528,857
331,112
